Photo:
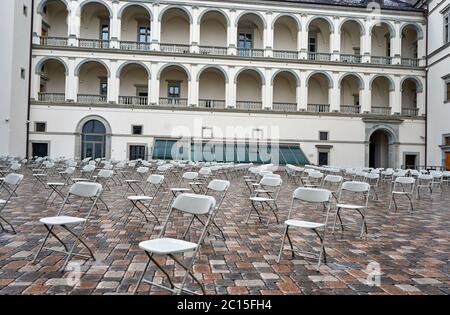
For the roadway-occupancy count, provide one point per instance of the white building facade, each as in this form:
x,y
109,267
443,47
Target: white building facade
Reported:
x,y
340,85
439,84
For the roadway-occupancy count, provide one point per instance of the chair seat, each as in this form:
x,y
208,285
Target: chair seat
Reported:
x,y
197,183
167,246
139,198
39,175
55,184
263,191
2,201
304,224
132,181
179,189
61,220
401,193
261,199
80,179
348,206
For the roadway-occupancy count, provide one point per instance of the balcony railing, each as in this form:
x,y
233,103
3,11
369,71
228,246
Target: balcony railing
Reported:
x,y
317,56
205,103
174,48
53,41
248,105
410,112
52,97
284,107
350,109
280,54
410,62
381,60
350,58
135,46
93,43
173,101
91,99
213,50
319,108
243,52
133,100
381,110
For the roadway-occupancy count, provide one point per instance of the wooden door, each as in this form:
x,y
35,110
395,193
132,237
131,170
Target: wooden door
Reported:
x,y
447,161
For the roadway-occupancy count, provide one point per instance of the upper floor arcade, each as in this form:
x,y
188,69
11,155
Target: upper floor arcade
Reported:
x,y
233,29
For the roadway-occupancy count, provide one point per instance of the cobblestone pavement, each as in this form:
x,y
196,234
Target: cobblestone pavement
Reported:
x,y
412,249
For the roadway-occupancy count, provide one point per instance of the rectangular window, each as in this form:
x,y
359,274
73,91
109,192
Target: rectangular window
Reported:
x,y
447,86
136,130
447,141
144,34
323,135
388,46
103,86
447,27
104,31
174,90
312,43
137,152
245,40
40,126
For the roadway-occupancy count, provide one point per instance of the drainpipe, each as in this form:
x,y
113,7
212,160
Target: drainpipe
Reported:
x,y
426,85
29,81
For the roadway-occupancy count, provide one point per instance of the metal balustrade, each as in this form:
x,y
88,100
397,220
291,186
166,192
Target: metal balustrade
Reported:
x,y
213,50
93,43
91,99
133,100
207,103
175,48
52,97
135,46
53,41
248,105
381,110
410,62
243,52
381,60
318,108
284,107
281,54
411,112
350,58
317,56
350,109
173,101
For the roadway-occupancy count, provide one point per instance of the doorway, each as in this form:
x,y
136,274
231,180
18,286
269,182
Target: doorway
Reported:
x,y
379,150
410,161
93,140
39,149
137,152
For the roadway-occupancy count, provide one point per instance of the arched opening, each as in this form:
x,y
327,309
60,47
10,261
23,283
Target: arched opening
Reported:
x,y
135,29
381,44
212,88
381,87
350,94
52,85
95,26
213,33
409,98
54,29
250,31
249,90
285,91
285,41
133,88
93,140
409,46
93,83
318,93
175,31
351,42
173,86
319,33
379,149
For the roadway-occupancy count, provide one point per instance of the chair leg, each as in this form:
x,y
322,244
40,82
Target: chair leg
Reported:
x,y
13,230
142,276
282,244
41,247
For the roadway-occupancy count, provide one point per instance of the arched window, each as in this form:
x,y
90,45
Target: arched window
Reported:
x,y
93,139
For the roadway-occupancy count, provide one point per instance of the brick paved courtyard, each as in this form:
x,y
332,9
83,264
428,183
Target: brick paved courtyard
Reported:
x,y
411,248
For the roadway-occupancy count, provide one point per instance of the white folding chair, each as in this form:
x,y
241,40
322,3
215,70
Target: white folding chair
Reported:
x,y
424,181
403,186
313,179
190,204
10,184
332,183
67,174
265,198
84,190
103,177
352,190
314,196
373,179
155,182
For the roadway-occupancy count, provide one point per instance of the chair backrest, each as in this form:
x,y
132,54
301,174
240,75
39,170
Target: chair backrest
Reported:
x,y
70,170
335,179
271,181
13,179
425,177
105,173
16,166
190,175
142,170
205,171
194,204
92,162
405,180
315,175
314,195
219,185
155,179
85,189
356,187
273,175
88,168
264,173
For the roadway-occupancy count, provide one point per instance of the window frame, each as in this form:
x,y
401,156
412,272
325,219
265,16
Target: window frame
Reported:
x,y
147,34
327,135
36,123
446,24
246,32
171,84
138,126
